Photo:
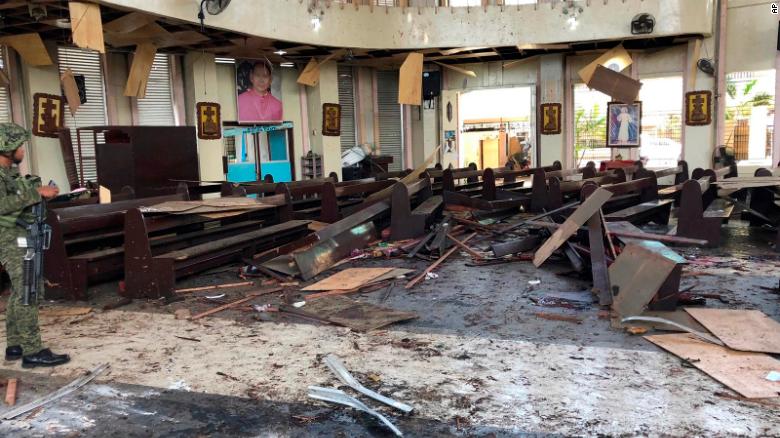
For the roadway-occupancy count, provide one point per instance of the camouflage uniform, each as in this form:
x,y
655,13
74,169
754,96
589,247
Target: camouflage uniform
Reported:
x,y
17,195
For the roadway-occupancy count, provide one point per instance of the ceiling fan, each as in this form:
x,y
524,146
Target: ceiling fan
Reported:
x,y
213,7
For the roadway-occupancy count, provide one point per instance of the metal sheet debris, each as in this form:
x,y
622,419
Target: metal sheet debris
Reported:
x,y
346,378
336,396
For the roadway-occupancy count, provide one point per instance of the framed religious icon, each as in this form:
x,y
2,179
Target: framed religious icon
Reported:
x,y
698,108
550,122
209,121
48,115
331,119
624,124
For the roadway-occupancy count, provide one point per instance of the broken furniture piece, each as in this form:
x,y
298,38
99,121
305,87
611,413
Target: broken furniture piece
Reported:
x,y
406,221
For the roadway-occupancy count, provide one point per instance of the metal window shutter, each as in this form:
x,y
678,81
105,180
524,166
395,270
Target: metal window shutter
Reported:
x,y
157,107
5,97
347,101
92,113
390,131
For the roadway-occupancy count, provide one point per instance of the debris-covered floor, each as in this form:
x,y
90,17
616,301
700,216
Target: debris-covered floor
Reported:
x,y
494,352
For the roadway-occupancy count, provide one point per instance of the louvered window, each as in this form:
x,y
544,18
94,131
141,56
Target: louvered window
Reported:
x,y
390,127
5,97
93,112
157,107
347,102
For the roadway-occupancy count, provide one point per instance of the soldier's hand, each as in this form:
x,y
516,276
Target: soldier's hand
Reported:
x,y
48,192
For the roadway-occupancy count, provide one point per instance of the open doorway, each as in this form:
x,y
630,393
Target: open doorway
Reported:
x,y
496,124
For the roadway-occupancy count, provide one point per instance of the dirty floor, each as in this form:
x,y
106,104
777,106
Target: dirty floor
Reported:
x,y
479,361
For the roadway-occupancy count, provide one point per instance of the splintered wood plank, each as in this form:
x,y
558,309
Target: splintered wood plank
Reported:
x,y
410,80
743,372
348,279
591,206
30,47
140,69
86,26
635,277
743,330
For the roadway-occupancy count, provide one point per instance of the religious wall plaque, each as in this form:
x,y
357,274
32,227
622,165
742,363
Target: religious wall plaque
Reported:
x,y
331,119
209,121
48,115
698,108
551,119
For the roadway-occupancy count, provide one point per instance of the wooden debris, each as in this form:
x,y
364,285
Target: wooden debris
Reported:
x,y
140,70
118,303
234,303
216,286
350,278
743,372
350,313
435,264
743,330
86,26
10,392
56,312
464,247
588,208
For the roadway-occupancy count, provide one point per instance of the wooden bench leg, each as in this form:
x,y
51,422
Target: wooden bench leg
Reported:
x,y
690,217
139,279
404,224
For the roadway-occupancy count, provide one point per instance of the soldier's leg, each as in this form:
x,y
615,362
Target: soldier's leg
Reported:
x,y
21,321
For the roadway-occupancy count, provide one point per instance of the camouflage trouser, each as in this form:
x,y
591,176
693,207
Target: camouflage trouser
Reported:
x,y
21,322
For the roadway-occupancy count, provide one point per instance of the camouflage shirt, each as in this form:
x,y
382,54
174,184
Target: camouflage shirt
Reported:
x,y
17,195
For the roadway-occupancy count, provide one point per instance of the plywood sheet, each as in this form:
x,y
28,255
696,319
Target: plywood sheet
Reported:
x,y
86,26
30,47
348,279
617,85
636,275
744,330
743,372
71,90
140,69
129,22
591,206
310,75
410,80
354,314
617,56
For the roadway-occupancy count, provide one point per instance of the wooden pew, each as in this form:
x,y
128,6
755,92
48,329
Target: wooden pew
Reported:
x,y
695,218
152,264
328,202
549,193
78,232
407,222
641,196
763,200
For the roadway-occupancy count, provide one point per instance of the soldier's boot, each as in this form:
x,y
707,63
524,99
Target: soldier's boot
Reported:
x,y
13,353
44,358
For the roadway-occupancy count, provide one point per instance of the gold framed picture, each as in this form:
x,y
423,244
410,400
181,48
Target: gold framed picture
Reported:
x,y
209,120
550,122
48,115
698,108
331,119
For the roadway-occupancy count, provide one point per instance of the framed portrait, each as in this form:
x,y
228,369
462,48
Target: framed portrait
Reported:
x,y
209,120
258,91
48,115
698,108
550,122
624,124
331,119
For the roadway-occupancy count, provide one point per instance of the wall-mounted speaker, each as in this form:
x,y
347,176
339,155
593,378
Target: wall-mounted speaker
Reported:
x,y
431,84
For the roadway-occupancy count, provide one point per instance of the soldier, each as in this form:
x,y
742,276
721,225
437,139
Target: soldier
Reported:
x,y
17,196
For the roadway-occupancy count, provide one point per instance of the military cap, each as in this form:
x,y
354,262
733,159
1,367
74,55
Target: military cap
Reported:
x,y
12,136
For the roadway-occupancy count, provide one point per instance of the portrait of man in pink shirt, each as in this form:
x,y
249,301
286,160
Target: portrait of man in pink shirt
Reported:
x,y
255,101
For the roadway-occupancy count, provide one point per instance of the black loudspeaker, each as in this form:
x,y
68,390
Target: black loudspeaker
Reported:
x,y
778,38
431,84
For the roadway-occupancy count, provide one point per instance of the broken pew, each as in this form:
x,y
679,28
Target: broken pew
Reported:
x,y
408,221
78,231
